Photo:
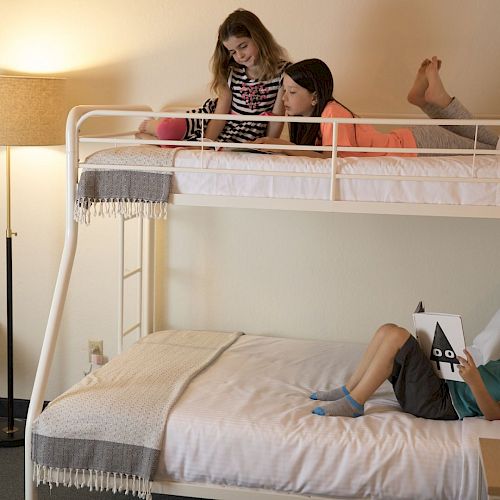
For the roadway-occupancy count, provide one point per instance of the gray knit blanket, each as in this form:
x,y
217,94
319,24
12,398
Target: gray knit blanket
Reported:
x,y
108,184
106,432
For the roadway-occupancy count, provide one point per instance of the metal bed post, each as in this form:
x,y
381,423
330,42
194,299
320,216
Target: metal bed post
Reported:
x,y
333,174
148,279
474,153
61,287
140,260
121,281
58,300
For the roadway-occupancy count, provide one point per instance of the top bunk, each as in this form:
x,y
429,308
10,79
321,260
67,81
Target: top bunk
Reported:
x,y
130,176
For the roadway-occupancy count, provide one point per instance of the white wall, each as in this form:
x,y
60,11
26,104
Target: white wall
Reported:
x,y
296,274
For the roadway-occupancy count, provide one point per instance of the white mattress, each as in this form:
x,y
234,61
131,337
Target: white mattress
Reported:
x,y
246,421
348,189
318,188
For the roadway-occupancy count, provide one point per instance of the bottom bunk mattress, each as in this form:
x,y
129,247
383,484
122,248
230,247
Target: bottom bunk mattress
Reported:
x,y
244,420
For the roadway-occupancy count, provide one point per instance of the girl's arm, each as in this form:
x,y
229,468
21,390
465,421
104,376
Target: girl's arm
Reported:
x,y
274,129
469,372
290,152
214,127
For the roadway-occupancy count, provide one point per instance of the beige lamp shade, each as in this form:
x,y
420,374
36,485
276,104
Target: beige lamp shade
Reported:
x,y
32,110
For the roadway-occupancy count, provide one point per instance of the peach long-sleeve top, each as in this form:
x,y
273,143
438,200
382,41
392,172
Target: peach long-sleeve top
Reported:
x,y
363,135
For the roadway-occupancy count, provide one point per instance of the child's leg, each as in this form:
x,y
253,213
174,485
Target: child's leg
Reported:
x,y
195,126
340,392
189,129
429,94
379,366
379,338
171,129
457,111
428,136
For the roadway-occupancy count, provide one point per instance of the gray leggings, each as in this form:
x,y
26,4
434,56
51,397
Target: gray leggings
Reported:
x,y
451,136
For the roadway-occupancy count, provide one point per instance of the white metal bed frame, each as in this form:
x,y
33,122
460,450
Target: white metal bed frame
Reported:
x,y
145,269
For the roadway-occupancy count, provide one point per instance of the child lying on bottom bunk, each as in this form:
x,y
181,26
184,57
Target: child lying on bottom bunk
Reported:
x,y
394,354
308,91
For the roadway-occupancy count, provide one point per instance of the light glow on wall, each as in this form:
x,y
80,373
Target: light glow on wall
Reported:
x,y
45,42
59,37
36,53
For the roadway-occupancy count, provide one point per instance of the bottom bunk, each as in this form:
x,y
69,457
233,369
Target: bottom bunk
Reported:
x,y
236,422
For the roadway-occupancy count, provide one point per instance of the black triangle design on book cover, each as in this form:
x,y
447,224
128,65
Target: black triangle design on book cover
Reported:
x,y
441,350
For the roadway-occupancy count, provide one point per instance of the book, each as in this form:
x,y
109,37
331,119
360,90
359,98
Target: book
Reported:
x,y
237,149
441,338
249,150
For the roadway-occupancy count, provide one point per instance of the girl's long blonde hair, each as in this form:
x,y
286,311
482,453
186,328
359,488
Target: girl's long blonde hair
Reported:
x,y
243,23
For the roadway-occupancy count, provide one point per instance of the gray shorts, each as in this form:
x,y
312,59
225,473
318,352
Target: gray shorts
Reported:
x,y
418,389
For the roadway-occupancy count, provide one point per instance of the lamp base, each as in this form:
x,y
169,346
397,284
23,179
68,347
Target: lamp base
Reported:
x,y
14,437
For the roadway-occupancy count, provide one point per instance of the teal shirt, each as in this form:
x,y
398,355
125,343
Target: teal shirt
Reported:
x,y
464,402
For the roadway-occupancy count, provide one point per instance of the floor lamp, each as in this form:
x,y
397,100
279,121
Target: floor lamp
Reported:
x,y
32,113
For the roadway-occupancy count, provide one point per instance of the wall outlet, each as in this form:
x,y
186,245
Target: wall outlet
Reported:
x,y
95,347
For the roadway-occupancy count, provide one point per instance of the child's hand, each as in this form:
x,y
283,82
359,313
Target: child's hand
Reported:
x,y
468,370
271,140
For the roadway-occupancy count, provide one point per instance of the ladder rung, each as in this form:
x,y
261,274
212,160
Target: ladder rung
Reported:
x,y
131,273
131,329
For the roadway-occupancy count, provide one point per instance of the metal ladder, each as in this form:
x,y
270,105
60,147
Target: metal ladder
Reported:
x,y
145,273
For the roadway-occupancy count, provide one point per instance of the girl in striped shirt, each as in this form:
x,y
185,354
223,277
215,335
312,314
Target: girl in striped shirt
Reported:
x,y
247,67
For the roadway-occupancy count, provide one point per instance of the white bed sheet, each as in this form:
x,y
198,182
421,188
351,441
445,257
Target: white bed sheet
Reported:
x,y
318,188
246,421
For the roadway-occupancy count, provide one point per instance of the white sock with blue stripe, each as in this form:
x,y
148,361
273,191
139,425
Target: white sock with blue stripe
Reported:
x,y
333,395
345,407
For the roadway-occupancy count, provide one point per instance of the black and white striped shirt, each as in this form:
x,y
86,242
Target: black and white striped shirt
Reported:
x,y
250,97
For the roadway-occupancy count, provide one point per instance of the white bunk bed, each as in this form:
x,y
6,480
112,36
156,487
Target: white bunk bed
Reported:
x,y
439,460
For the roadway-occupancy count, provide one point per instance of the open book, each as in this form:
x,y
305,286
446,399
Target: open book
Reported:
x,y
249,150
241,149
441,337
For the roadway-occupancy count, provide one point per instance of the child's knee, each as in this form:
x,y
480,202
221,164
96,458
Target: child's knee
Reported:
x,y
393,332
171,129
386,329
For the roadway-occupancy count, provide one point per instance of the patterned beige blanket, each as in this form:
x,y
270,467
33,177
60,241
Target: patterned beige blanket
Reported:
x,y
106,432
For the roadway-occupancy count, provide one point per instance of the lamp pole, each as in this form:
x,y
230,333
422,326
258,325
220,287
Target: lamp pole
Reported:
x,y
13,433
32,114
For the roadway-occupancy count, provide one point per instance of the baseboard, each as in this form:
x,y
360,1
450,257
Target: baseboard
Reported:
x,y
20,407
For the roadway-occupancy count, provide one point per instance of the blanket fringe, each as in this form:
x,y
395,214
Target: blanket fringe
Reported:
x,y
85,207
94,480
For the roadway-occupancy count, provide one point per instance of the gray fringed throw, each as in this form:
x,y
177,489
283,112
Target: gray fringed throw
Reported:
x,y
125,191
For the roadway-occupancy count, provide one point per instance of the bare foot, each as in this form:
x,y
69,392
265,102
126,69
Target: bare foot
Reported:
x,y
416,95
436,93
147,137
149,126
